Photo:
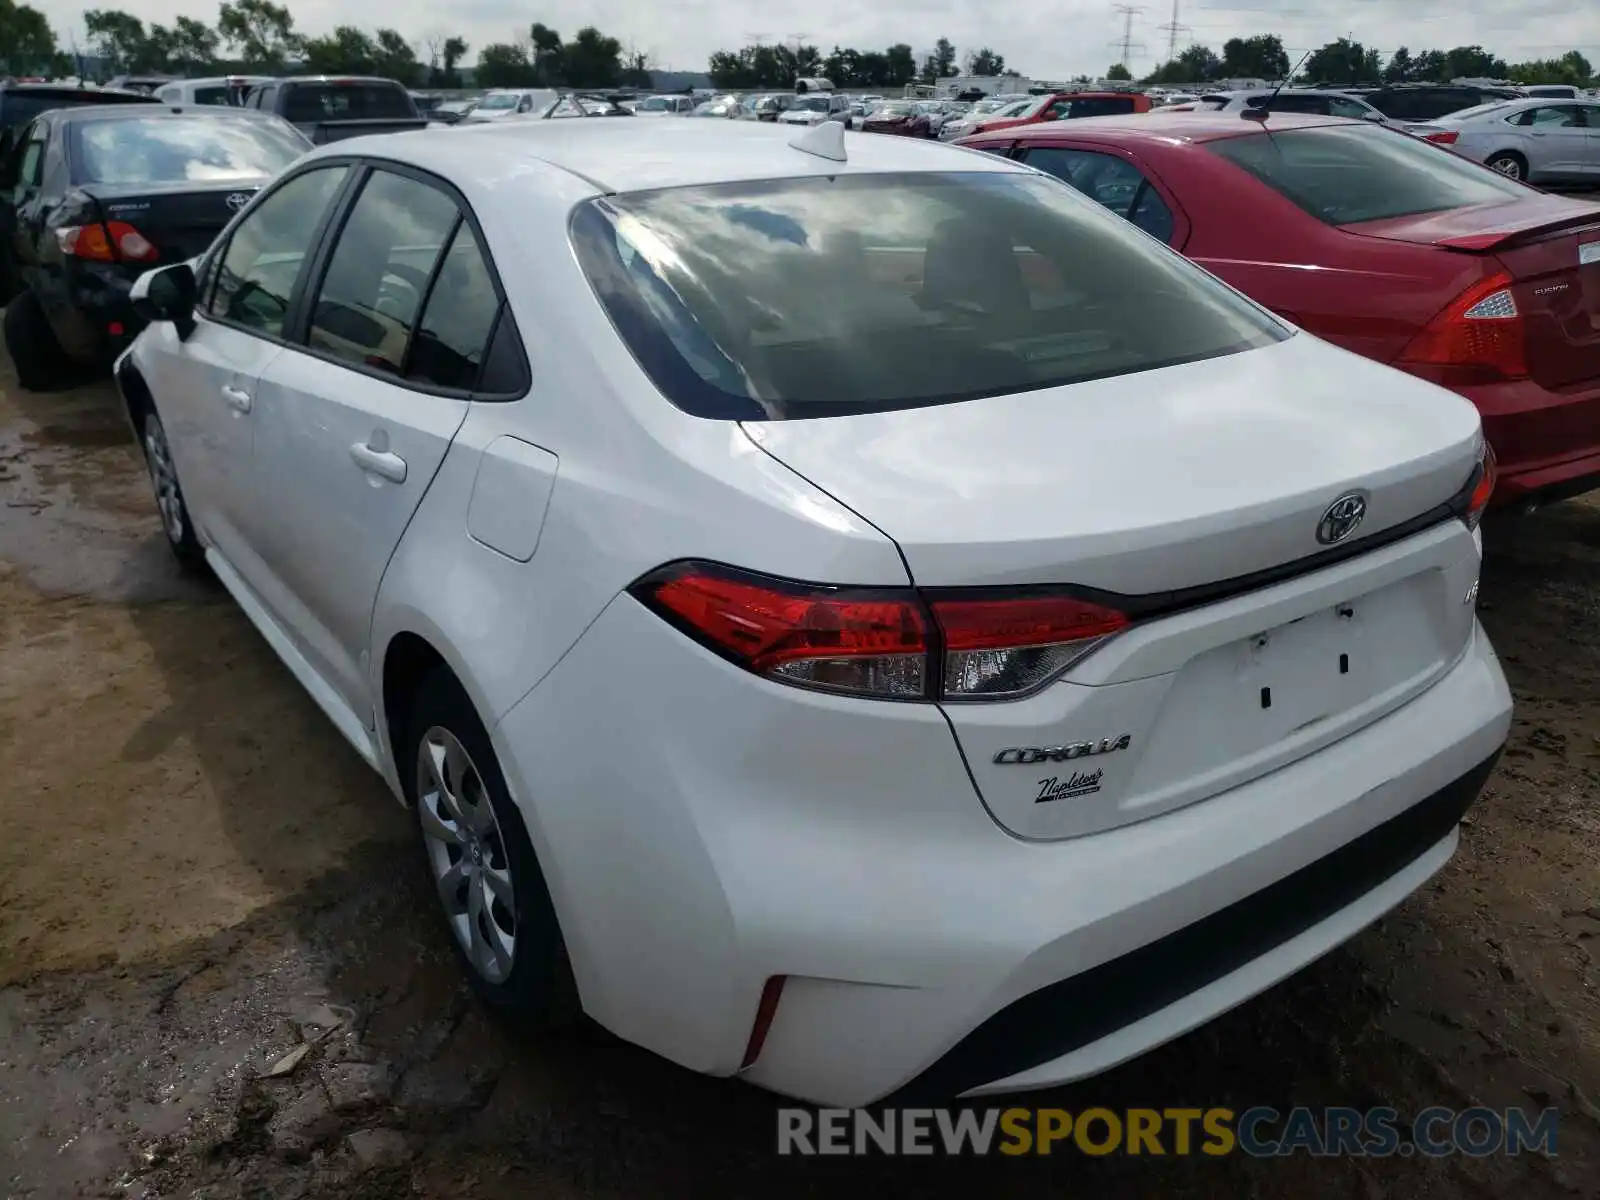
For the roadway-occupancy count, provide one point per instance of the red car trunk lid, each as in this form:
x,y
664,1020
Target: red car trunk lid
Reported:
x,y
1550,246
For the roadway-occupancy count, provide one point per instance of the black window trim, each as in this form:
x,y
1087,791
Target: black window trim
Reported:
x,y
298,319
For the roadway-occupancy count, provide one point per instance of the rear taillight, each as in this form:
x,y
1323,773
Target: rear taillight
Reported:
x,y
1478,335
1482,487
1442,137
890,643
1006,647
111,241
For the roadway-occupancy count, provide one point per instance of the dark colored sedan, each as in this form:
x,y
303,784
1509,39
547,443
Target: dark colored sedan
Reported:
x,y
90,198
901,117
1379,243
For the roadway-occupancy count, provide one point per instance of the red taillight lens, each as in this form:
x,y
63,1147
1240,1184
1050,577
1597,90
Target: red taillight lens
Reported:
x,y
882,642
1005,647
111,241
1483,489
1478,337
1442,137
867,643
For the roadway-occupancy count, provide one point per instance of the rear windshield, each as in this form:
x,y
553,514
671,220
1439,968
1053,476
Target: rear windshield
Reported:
x,y
823,296
136,150
1351,173
308,102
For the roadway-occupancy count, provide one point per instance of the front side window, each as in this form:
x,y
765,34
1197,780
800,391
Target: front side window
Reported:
x,y
1343,175
377,276
1553,116
821,296
267,250
1110,181
169,149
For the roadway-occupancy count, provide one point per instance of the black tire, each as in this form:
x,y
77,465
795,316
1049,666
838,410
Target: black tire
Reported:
x,y
539,989
1510,164
176,523
35,352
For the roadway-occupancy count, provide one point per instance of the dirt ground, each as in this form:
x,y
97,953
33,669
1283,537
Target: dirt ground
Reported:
x,y
198,876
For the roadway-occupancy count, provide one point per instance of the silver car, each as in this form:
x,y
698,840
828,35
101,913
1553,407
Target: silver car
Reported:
x,y
1535,140
1322,102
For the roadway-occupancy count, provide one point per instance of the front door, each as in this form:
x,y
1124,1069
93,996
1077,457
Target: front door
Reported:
x,y
1558,143
205,386
355,423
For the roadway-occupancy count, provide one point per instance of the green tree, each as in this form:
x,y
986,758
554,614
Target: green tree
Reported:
x,y
900,64
941,64
1401,68
117,37
451,52
345,51
503,65
394,58
636,69
1431,67
1473,62
985,61
1343,62
1259,57
193,46
27,43
259,32
1572,67
1118,71
546,55
592,60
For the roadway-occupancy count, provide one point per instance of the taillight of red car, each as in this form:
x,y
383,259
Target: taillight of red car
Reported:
x,y
1442,137
109,241
1477,338
886,643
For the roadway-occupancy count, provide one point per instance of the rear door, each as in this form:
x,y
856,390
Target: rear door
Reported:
x,y
357,417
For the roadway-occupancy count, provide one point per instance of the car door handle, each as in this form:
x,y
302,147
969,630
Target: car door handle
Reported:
x,y
379,462
237,397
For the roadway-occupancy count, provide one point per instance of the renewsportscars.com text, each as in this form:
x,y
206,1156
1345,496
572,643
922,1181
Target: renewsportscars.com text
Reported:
x,y
1260,1132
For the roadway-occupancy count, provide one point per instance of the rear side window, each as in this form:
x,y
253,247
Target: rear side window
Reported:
x,y
378,274
453,335
1215,101
815,297
1100,106
1553,116
137,150
1345,174
1110,181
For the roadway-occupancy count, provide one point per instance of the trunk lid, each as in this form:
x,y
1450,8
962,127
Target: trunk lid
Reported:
x,y
1166,487
180,219
1144,483
1550,246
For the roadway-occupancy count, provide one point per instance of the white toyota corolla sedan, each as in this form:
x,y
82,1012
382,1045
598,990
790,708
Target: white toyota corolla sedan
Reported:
x,y
864,617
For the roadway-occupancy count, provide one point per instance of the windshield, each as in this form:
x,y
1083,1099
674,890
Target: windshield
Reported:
x,y
498,103
820,296
1345,174
653,104
136,150
308,102
813,104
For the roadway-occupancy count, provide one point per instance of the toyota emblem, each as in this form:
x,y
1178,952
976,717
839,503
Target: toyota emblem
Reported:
x,y
1339,519
237,200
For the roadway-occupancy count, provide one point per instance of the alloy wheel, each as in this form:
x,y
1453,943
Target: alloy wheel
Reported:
x,y
164,478
1509,167
467,854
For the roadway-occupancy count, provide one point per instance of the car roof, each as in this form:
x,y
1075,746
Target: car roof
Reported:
x,y
628,156
157,111
67,89
1164,127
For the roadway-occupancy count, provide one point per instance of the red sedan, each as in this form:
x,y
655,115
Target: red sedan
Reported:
x,y
906,118
1071,106
1380,243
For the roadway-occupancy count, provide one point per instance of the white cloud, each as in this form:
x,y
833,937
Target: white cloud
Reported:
x,y
1053,41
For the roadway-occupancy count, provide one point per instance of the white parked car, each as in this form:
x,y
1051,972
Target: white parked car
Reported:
x,y
226,90
817,107
869,681
502,103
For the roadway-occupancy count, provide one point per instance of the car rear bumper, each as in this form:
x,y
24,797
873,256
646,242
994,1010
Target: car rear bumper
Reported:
x,y
97,321
704,831
1547,443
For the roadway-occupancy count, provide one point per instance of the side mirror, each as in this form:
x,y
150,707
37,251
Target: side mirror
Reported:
x,y
167,294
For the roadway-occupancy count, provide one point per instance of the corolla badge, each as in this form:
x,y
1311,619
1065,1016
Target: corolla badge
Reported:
x,y
237,200
1339,519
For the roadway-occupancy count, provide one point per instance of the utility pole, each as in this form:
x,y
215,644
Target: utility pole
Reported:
x,y
1127,12
1172,29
